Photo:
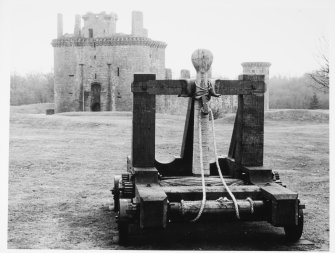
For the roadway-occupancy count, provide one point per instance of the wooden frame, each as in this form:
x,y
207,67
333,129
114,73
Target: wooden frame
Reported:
x,y
244,161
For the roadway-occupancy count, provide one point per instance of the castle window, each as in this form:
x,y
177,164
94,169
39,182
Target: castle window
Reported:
x,y
118,71
95,57
95,76
253,71
90,33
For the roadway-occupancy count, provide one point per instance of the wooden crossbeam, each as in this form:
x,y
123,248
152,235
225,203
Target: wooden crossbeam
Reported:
x,y
186,88
164,87
177,193
239,87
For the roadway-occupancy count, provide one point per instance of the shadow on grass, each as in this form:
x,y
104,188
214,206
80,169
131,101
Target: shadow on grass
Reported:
x,y
187,236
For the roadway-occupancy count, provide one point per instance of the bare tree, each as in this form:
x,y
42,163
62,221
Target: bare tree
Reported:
x,y
320,77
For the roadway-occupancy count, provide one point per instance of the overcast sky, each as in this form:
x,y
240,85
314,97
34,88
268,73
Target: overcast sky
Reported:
x,y
285,33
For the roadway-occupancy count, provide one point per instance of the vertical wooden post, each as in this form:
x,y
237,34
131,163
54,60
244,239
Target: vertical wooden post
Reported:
x,y
143,142
186,152
202,60
247,142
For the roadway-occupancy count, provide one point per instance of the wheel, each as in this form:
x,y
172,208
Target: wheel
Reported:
x,y
116,193
123,227
294,232
123,220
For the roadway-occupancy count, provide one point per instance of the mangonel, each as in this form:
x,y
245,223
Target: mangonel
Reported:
x,y
152,194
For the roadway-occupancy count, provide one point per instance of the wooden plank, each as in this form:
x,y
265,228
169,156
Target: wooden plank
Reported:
x,y
259,175
232,146
252,77
186,88
187,145
237,155
252,136
196,181
153,205
164,87
177,193
284,212
145,175
224,166
239,87
173,168
274,191
143,141
178,167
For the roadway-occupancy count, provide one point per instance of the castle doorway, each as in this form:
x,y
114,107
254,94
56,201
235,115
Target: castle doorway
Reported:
x,y
95,97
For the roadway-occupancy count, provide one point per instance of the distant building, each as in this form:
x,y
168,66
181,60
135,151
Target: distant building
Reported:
x,y
94,66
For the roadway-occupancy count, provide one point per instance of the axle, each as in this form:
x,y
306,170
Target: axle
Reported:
x,y
220,206
129,210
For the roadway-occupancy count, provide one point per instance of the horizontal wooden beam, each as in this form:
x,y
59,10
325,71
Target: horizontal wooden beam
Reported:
x,y
164,87
274,191
186,88
177,193
239,87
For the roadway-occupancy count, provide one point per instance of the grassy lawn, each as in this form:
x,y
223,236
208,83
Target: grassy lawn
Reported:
x,y
61,169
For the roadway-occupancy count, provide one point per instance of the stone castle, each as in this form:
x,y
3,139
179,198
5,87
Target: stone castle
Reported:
x,y
94,66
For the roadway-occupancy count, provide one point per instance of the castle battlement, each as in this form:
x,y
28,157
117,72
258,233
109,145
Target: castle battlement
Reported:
x,y
101,25
256,64
116,40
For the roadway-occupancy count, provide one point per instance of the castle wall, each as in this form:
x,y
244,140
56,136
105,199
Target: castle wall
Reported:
x,y
124,61
95,66
65,71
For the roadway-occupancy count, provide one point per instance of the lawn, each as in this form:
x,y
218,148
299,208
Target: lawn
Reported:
x,y
61,170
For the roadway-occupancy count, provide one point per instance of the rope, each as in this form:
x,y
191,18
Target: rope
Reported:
x,y
202,174
202,91
251,204
219,169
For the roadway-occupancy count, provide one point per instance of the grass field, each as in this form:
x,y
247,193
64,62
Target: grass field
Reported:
x,y
61,169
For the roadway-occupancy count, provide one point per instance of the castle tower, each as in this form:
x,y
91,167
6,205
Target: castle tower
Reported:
x,y
168,74
59,25
185,74
77,25
137,25
99,25
259,68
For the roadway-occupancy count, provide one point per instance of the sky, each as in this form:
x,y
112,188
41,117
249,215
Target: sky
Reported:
x,y
285,33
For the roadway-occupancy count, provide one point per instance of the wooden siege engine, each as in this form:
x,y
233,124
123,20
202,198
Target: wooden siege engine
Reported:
x,y
152,194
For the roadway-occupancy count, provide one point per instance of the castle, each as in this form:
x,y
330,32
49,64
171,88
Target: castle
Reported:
x,y
94,66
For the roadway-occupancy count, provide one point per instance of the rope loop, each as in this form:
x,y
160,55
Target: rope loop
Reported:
x,y
251,204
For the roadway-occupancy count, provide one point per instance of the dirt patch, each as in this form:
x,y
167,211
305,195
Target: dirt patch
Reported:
x,y
62,168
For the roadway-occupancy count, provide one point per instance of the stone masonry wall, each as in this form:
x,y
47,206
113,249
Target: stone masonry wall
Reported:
x,y
124,62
